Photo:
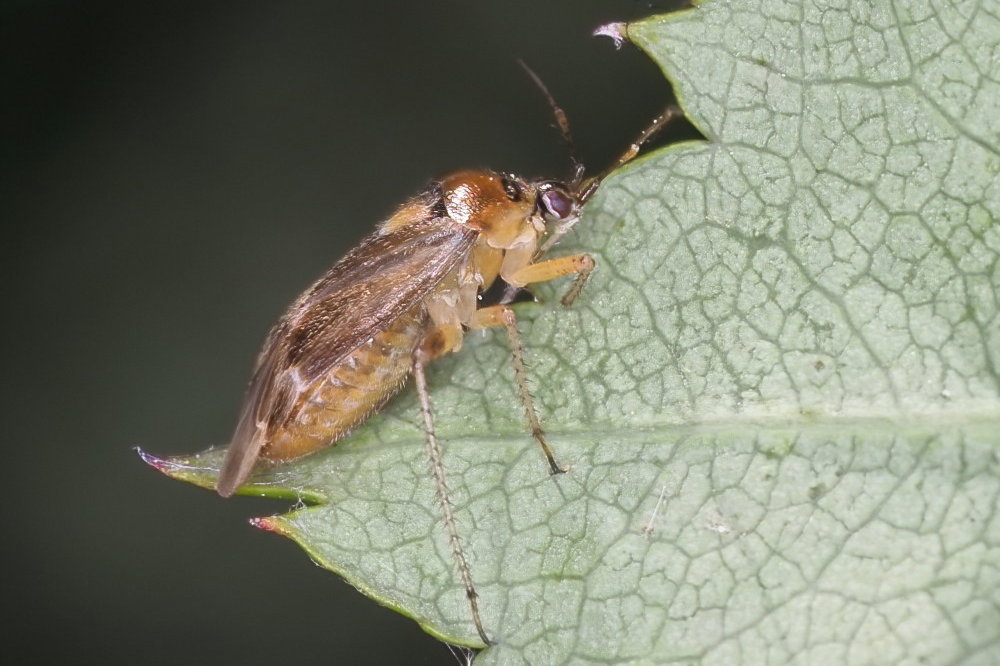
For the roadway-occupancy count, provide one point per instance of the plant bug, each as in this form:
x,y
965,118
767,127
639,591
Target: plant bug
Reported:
x,y
404,297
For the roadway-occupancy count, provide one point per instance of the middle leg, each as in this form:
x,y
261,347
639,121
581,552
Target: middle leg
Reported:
x,y
503,315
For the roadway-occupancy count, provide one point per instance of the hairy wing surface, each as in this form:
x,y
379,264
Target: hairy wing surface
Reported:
x,y
375,283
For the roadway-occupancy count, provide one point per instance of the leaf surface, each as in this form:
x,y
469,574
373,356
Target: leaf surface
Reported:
x,y
778,396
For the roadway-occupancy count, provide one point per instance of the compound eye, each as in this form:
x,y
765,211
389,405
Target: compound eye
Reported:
x,y
556,204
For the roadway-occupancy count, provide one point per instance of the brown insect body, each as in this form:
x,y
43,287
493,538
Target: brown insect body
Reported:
x,y
402,298
409,290
350,392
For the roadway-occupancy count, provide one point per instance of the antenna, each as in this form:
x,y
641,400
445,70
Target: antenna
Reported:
x,y
669,114
562,123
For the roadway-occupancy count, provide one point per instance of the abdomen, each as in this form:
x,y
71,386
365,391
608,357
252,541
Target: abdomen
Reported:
x,y
352,391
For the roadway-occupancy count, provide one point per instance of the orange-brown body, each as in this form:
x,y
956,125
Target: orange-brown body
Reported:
x,y
356,387
338,354
402,298
352,391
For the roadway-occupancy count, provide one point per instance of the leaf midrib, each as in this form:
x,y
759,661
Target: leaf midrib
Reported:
x,y
901,425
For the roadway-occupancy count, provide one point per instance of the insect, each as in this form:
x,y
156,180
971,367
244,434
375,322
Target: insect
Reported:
x,y
402,298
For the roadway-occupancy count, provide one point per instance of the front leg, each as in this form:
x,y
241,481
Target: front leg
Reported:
x,y
582,265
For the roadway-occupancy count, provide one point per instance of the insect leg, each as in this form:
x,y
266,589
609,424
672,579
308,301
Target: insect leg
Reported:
x,y
503,315
444,498
581,264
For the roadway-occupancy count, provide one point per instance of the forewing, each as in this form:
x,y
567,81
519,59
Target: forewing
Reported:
x,y
381,279
249,436
378,281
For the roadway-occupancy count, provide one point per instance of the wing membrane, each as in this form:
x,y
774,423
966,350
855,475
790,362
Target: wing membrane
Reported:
x,y
374,284
379,280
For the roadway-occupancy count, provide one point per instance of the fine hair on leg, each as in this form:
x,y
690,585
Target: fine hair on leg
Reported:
x,y
521,376
436,460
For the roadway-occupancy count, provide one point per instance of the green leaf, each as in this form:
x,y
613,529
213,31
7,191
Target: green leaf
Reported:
x,y
778,396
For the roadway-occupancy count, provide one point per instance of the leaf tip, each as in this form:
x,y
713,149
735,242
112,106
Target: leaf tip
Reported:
x,y
195,469
269,524
162,465
148,458
616,32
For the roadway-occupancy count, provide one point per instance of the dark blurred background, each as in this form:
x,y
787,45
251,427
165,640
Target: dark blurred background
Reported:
x,y
173,174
